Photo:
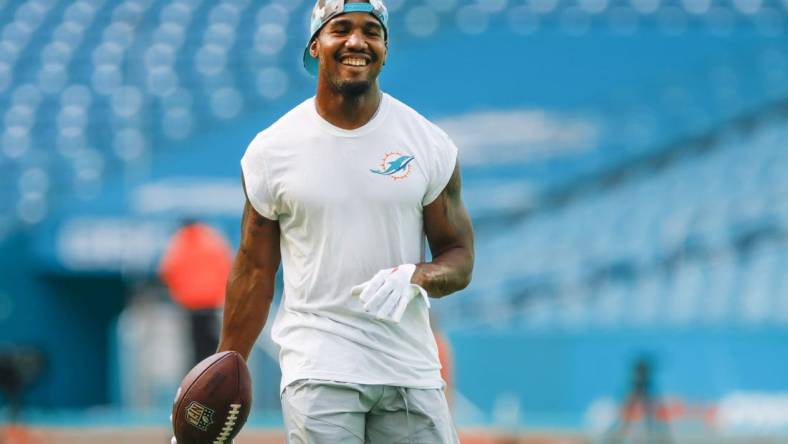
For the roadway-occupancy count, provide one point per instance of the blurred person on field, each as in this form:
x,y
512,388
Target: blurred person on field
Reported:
x,y
446,359
194,267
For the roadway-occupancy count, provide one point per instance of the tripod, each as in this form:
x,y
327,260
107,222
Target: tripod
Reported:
x,y
641,405
19,367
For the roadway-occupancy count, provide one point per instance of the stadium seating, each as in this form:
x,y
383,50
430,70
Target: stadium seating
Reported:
x,y
92,88
699,241
673,215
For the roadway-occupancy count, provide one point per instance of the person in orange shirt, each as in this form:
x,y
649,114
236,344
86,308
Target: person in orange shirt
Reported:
x,y
194,267
446,359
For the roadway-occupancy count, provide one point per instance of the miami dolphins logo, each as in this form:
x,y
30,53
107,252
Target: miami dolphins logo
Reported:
x,y
395,165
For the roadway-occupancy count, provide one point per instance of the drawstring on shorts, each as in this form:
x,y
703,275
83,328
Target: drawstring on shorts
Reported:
x,y
404,393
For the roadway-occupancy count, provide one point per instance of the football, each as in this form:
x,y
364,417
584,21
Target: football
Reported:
x,y
213,400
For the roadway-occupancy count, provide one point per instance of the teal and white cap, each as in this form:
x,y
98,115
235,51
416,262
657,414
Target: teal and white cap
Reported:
x,y
325,10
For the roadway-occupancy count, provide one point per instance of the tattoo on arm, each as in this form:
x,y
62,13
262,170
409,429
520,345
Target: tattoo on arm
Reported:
x,y
252,223
250,286
450,235
453,208
250,215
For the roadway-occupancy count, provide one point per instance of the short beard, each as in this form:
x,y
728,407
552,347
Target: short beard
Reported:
x,y
354,88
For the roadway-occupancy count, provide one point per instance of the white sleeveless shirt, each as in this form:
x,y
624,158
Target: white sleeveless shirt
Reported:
x,y
349,203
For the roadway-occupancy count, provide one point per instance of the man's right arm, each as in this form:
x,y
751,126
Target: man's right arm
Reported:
x,y
250,286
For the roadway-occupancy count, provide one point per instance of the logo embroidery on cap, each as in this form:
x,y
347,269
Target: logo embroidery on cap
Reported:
x,y
395,165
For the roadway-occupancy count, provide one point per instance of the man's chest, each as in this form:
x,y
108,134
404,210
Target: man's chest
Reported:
x,y
329,178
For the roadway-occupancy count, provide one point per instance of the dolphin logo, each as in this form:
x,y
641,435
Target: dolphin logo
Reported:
x,y
395,166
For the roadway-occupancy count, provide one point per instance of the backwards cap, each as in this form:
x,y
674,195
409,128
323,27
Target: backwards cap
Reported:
x,y
325,10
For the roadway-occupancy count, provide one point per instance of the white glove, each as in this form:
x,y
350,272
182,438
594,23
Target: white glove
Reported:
x,y
389,292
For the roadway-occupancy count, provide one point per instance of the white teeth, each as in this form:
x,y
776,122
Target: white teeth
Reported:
x,y
355,62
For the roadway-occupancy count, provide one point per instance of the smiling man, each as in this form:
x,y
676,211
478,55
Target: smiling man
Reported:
x,y
343,190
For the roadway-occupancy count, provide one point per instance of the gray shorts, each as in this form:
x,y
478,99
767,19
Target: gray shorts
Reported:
x,y
329,412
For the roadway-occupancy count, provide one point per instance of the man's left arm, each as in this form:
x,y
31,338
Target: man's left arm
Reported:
x,y
450,236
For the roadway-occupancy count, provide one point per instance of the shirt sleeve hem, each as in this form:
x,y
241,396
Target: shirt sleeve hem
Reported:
x,y
430,197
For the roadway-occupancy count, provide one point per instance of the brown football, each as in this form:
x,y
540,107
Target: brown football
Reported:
x,y
213,400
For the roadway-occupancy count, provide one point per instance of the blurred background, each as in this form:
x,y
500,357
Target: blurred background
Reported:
x,y
625,163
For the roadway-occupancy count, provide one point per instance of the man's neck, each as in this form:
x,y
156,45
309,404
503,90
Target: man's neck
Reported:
x,y
348,112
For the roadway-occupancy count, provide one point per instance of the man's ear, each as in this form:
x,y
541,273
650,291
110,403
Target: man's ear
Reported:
x,y
313,47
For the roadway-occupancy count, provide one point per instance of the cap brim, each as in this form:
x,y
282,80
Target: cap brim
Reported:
x,y
310,63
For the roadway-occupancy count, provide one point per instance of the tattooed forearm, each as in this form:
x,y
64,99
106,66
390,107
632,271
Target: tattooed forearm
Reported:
x,y
450,235
447,273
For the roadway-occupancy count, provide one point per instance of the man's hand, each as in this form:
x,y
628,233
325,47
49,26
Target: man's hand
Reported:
x,y
389,292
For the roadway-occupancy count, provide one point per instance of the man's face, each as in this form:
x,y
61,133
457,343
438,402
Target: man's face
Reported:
x,y
351,49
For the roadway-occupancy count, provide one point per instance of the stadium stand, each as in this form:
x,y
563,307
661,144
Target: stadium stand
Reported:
x,y
664,212
707,231
107,85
